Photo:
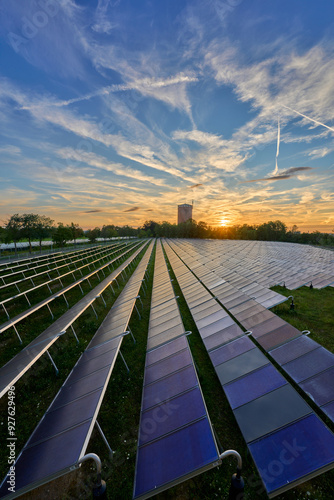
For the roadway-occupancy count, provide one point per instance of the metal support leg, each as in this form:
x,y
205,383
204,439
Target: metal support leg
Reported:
x,y
104,438
54,364
17,333
75,335
27,300
126,366
89,283
81,289
142,307
104,302
49,288
138,312
33,284
129,329
68,306
94,311
50,311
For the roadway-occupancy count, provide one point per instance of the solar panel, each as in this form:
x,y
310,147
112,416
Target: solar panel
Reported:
x,y
293,349
240,365
264,414
231,350
166,350
294,454
173,457
170,415
279,336
221,337
169,387
309,364
253,385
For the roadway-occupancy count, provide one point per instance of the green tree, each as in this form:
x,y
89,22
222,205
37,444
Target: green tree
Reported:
x,y
43,228
92,234
14,230
108,232
76,231
61,235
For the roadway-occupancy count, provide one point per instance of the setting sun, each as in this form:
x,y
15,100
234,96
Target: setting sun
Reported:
x,y
224,222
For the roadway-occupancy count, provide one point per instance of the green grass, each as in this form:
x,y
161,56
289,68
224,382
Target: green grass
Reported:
x,y
120,412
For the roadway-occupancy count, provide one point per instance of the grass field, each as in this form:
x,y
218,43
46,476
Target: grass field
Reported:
x,y
120,411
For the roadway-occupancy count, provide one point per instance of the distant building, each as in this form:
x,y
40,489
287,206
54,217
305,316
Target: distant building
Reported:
x,y
184,213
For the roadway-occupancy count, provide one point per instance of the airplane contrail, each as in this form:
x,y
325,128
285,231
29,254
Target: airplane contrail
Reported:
x,y
308,118
278,143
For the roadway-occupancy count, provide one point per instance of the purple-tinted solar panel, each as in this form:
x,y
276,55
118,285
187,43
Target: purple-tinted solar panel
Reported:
x,y
293,349
230,333
169,387
216,326
174,456
167,366
254,385
293,453
279,336
65,417
166,350
309,364
48,457
320,387
231,350
329,410
83,369
171,415
81,387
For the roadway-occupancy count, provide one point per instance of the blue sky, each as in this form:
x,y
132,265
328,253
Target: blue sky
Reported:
x,y
115,111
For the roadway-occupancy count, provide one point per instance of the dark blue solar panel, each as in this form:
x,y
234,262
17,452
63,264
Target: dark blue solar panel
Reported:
x,y
309,364
84,369
231,350
81,387
48,457
167,366
320,387
293,452
174,456
168,387
171,415
66,416
294,349
329,410
166,350
252,386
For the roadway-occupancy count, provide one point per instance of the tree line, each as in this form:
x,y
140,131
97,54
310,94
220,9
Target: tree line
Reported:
x,y
38,227
268,231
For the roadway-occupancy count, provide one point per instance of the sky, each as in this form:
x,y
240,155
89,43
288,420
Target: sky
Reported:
x,y
116,111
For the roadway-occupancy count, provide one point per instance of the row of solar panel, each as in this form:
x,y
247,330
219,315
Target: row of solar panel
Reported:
x,y
175,436
46,302
47,263
60,265
270,263
47,281
268,410
310,365
18,365
60,440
